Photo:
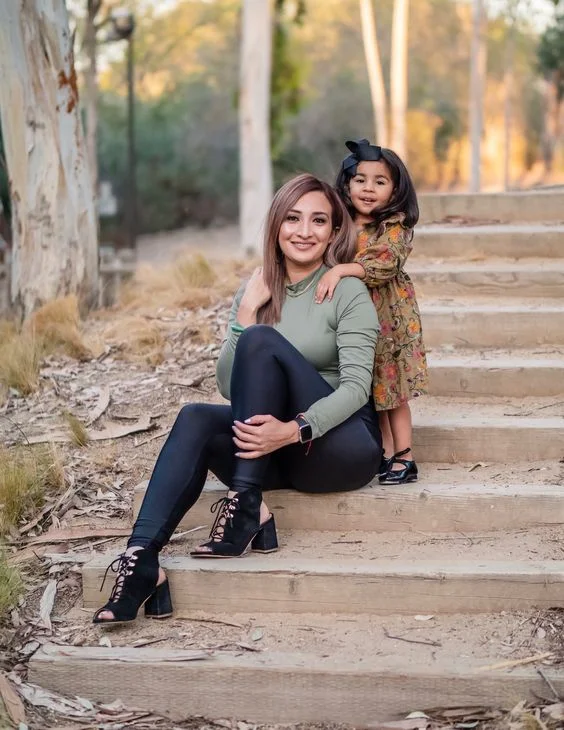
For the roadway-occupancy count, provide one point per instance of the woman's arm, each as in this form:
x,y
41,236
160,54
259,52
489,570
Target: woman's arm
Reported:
x,y
384,255
249,299
357,330
225,361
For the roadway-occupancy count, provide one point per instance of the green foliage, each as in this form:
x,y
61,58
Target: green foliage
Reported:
x,y
287,72
551,54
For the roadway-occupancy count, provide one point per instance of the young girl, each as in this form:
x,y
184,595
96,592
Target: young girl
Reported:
x,y
379,194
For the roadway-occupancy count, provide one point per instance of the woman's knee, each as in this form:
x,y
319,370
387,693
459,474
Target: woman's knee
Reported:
x,y
258,338
194,415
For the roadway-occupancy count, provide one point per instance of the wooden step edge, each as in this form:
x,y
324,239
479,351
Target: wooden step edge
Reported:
x,y
272,687
379,587
422,507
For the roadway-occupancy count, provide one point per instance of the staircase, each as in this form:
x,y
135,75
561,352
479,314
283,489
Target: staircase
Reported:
x,y
392,599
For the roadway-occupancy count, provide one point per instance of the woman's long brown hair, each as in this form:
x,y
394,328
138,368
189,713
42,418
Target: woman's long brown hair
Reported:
x,y
341,250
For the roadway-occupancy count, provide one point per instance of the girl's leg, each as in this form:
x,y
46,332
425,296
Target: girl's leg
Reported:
x,y
387,436
401,428
403,469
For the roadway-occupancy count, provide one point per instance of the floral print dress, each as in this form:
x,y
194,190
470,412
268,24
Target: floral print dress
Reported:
x,y
400,367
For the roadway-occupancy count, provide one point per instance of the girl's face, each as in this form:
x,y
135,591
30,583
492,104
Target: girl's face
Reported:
x,y
370,189
307,231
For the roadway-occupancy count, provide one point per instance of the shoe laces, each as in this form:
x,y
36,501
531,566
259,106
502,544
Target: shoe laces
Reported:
x,y
123,565
225,508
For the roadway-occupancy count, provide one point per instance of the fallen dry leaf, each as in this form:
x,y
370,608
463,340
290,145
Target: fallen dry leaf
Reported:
x,y
46,604
12,702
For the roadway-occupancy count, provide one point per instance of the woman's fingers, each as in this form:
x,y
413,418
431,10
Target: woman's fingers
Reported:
x,y
247,445
249,454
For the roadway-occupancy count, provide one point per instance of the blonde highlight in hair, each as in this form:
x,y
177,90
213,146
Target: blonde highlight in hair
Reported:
x,y
341,250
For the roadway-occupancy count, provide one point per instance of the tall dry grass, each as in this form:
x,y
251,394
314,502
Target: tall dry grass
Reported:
x,y
57,325
28,475
11,587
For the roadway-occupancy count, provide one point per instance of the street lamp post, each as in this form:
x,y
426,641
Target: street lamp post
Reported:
x,y
123,25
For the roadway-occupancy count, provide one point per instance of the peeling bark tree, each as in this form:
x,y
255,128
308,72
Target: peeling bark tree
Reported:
x,y
53,210
255,187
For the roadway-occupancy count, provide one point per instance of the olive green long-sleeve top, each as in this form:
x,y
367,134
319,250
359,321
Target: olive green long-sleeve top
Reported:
x,y
337,337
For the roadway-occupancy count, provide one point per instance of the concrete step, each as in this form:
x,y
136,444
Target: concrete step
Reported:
x,y
496,373
502,431
528,205
309,576
484,241
455,506
285,687
534,278
487,323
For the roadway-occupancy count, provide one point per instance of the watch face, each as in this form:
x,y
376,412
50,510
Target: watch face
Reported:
x,y
305,432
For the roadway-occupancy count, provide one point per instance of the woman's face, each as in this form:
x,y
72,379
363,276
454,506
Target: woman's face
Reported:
x,y
371,188
307,231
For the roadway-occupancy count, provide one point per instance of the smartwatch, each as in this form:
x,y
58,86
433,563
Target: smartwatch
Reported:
x,y
305,433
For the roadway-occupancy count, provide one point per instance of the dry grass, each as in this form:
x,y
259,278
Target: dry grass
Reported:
x,y
137,338
11,587
57,325
27,476
189,282
78,433
20,357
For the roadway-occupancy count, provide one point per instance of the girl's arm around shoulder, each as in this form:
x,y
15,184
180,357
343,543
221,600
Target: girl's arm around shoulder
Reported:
x,y
383,256
329,280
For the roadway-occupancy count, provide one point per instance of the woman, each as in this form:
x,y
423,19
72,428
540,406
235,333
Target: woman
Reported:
x,y
298,375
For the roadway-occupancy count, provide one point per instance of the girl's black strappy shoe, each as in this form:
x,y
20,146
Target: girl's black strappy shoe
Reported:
x,y
237,526
135,586
385,465
408,474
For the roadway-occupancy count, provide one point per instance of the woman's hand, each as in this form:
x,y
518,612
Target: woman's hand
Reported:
x,y
327,284
261,435
256,294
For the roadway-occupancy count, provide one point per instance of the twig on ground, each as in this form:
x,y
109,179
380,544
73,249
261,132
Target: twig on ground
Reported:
x,y
411,641
510,663
549,683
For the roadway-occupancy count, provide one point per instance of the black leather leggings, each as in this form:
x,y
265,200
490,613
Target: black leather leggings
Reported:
x,y
269,376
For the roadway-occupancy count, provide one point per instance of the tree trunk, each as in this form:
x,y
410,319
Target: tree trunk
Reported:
x,y
255,185
375,74
478,60
508,83
398,77
91,89
551,123
53,214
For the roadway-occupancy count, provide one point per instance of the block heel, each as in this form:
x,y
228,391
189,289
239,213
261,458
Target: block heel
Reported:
x,y
266,540
159,604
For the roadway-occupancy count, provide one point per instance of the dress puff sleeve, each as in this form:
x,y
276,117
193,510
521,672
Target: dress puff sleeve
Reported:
x,y
383,256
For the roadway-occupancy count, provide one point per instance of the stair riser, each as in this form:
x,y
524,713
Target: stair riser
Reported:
x,y
457,380
493,329
444,443
470,283
285,694
218,588
419,510
502,207
475,245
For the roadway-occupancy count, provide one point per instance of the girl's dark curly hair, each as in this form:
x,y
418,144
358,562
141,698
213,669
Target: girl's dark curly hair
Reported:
x,y
403,200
